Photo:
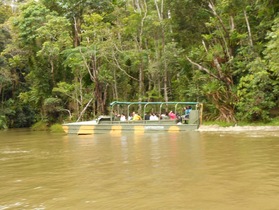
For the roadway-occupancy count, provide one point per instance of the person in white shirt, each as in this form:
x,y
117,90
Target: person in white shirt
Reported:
x,y
154,117
122,117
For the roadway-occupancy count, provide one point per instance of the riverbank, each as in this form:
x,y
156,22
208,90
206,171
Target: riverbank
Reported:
x,y
204,128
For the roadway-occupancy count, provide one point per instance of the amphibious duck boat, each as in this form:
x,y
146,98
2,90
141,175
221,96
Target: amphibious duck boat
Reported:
x,y
112,123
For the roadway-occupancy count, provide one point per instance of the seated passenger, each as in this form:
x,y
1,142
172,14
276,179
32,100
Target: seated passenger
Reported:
x,y
122,117
147,116
178,119
154,117
164,116
172,115
136,116
188,109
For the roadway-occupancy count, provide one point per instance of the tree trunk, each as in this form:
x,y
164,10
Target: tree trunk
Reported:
x,y
164,62
77,31
140,45
248,28
115,92
82,112
223,98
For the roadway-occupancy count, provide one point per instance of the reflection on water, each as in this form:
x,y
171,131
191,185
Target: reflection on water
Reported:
x,y
150,171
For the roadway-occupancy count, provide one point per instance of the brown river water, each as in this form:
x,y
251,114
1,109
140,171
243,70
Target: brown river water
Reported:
x,y
193,170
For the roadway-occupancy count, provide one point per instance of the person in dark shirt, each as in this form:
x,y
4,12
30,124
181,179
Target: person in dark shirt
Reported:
x,y
147,116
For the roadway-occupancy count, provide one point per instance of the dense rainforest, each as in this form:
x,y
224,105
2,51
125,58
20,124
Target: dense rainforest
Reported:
x,y
65,60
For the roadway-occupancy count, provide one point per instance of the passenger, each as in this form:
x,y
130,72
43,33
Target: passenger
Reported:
x,y
187,111
157,116
178,119
136,116
164,116
130,117
114,115
172,115
122,117
154,117
147,116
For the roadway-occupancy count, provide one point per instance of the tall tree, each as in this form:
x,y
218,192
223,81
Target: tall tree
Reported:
x,y
93,52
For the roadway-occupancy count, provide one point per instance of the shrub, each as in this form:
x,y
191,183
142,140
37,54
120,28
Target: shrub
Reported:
x,y
3,122
56,128
40,126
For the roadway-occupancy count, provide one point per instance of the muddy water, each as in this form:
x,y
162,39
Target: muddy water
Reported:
x,y
207,170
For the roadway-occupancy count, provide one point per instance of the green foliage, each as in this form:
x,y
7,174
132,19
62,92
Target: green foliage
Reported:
x,y
56,128
40,87
40,126
272,48
3,122
64,88
153,95
52,105
55,56
33,16
16,114
55,36
5,12
255,92
53,109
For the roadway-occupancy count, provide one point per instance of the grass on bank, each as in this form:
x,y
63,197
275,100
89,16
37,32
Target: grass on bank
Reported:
x,y
43,126
273,122
40,126
56,128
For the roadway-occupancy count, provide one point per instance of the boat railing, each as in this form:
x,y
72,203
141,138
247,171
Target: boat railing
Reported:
x,y
195,116
117,122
